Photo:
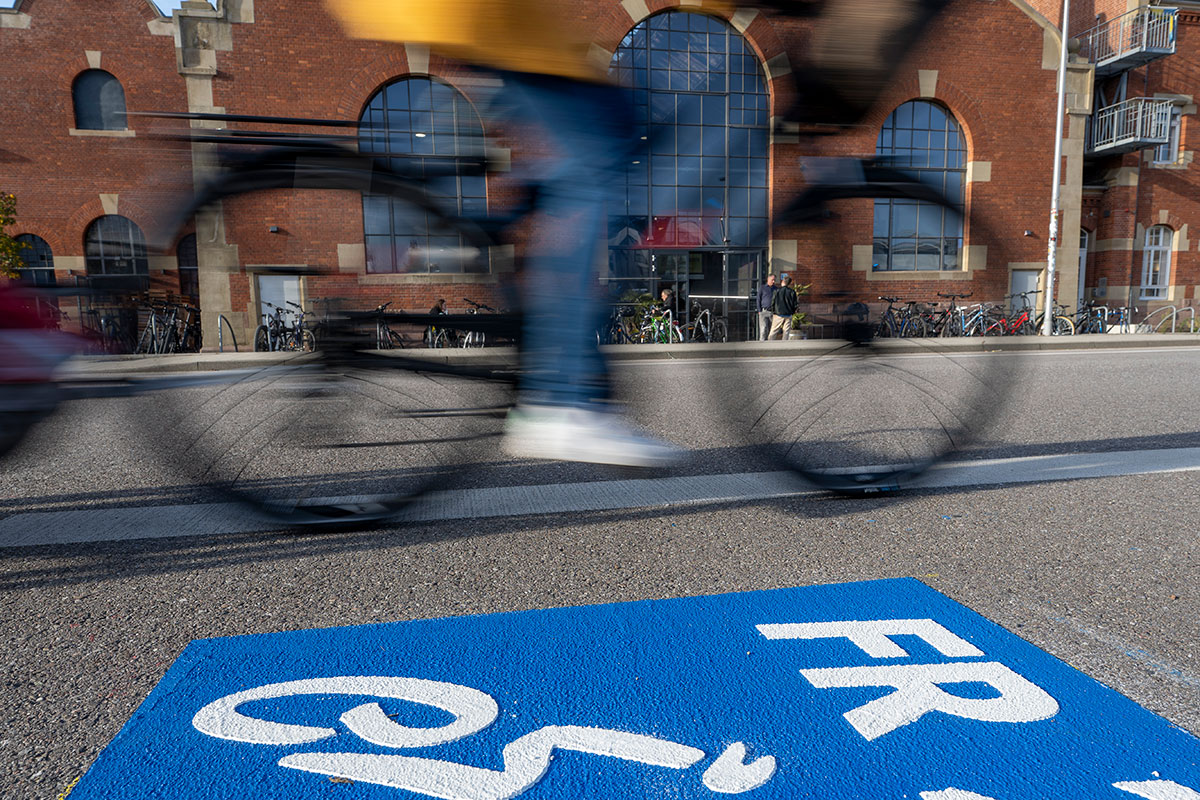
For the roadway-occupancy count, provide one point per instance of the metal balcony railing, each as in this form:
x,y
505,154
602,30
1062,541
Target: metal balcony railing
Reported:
x,y
1130,40
1133,125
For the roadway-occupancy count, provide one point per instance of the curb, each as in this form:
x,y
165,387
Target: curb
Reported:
x,y
207,362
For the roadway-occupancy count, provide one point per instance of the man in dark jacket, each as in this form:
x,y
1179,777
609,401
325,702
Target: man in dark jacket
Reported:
x,y
766,293
783,306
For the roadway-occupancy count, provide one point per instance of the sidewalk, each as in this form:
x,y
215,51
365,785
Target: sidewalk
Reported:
x,y
205,362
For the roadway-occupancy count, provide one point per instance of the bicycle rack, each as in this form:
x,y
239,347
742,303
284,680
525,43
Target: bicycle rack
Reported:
x,y
221,334
1145,327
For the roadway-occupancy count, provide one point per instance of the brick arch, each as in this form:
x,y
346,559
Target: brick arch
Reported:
x,y
1173,222
92,210
965,109
50,237
394,66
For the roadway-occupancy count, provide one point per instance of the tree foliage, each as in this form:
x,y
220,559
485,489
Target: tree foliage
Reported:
x,y
10,248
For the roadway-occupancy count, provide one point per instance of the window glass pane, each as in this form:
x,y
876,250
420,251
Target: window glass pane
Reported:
x,y
689,140
662,200
904,254
929,256
904,219
377,216
379,254
929,220
662,170
883,212
739,201
714,199
689,199
689,171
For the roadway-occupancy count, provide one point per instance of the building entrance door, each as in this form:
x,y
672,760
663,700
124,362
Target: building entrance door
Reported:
x,y
725,281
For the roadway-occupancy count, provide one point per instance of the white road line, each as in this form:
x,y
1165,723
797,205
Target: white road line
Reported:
x,y
955,354
153,522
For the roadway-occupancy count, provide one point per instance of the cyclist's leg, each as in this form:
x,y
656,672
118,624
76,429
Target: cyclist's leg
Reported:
x,y
588,125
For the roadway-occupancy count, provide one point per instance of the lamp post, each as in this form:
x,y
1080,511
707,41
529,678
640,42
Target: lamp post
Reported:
x,y
1052,244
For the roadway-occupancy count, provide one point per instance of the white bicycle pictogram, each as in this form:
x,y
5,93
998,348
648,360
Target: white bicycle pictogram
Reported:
x,y
526,759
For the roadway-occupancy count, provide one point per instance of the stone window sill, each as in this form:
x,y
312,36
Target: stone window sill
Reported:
x,y
126,133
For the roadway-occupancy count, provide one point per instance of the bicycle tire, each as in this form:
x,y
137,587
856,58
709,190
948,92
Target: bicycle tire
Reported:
x,y
342,437
870,412
262,339
720,331
1063,326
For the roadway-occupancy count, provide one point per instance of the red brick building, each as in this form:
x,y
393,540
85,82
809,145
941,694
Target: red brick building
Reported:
x,y
972,109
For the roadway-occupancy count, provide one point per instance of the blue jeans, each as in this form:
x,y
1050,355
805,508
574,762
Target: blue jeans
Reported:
x,y
588,126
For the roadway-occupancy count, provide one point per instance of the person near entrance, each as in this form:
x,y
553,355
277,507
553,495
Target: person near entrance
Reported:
x,y
783,306
766,294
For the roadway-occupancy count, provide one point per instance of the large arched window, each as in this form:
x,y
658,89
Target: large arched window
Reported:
x,y
1156,262
115,246
99,101
37,260
924,138
700,101
424,128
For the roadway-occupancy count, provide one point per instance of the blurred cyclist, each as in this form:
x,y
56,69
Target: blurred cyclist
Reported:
x,y
550,82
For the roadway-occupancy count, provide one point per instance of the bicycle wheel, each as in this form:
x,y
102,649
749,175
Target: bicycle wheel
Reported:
x,y
867,412
345,435
720,332
1063,326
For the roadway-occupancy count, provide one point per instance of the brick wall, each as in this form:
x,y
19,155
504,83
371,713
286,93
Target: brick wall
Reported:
x,y
58,177
983,62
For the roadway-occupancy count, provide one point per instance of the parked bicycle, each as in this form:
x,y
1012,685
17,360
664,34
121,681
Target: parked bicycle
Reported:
x,y
659,327
705,327
278,333
385,337
170,328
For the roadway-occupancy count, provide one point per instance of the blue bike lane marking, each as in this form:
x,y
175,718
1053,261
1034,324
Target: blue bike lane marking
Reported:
x,y
884,689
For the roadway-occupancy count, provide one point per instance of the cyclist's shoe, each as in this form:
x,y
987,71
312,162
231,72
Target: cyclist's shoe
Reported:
x,y
580,434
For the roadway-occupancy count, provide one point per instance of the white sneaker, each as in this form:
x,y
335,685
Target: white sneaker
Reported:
x,y
579,434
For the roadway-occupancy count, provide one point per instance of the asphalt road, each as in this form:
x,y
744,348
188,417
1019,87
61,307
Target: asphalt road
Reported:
x,y
1099,571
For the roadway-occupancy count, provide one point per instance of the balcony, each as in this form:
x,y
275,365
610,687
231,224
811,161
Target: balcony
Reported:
x,y
1130,40
1133,125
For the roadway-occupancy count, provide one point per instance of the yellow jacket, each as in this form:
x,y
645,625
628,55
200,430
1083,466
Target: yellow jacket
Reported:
x,y
521,35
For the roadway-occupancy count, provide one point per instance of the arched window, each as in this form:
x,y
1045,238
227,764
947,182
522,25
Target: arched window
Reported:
x,y
189,268
115,246
923,138
99,101
700,100
1156,262
37,260
425,128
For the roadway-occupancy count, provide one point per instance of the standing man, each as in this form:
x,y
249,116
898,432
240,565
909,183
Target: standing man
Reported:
x,y
766,294
783,306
